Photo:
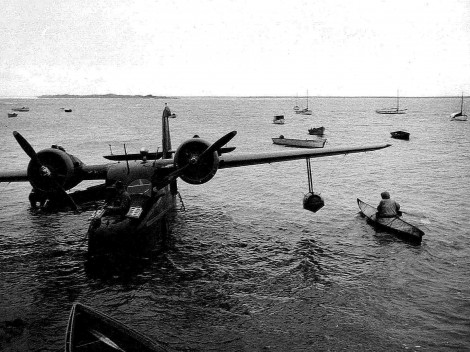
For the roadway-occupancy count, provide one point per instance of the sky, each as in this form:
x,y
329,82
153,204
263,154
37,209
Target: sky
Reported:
x,y
235,48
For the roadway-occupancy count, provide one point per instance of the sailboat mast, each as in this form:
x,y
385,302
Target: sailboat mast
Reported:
x,y
461,105
307,99
398,101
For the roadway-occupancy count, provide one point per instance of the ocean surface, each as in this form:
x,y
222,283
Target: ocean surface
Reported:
x,y
247,268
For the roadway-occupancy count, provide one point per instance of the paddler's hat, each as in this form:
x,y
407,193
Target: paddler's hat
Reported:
x,y
385,195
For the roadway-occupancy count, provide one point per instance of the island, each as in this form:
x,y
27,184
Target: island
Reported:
x,y
149,96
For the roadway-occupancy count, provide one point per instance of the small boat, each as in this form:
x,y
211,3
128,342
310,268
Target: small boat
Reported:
x,y
300,143
68,110
278,119
305,111
12,114
392,111
316,131
459,116
395,224
24,109
400,135
90,330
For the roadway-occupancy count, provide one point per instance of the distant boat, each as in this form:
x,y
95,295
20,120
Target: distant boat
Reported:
x,y
278,119
400,135
300,143
459,116
68,110
24,109
316,131
392,111
90,330
12,114
305,111
296,107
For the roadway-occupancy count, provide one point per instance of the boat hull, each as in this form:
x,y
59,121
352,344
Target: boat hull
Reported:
x,y
319,131
89,330
300,143
390,112
394,225
400,135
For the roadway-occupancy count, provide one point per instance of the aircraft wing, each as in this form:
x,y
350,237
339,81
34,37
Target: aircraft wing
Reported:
x,y
246,159
13,176
234,160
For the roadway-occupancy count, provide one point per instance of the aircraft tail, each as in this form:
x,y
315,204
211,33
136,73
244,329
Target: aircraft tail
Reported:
x,y
166,140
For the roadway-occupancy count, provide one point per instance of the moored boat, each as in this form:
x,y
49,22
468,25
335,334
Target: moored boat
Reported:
x,y
12,114
395,224
299,143
459,116
278,119
24,109
400,135
392,111
91,330
319,131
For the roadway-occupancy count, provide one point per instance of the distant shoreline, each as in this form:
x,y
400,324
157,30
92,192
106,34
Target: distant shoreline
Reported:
x,y
112,96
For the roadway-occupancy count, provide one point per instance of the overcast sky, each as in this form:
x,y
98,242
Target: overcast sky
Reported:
x,y
238,48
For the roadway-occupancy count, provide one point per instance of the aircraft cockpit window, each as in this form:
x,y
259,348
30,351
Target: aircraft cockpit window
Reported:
x,y
140,186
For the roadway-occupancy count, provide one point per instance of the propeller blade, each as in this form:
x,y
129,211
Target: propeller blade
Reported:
x,y
28,149
66,196
218,144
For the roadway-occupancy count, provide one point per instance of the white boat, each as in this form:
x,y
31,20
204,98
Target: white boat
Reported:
x,y
300,143
459,116
278,119
305,111
392,111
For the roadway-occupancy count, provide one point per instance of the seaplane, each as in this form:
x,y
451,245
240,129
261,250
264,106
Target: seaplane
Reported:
x,y
149,178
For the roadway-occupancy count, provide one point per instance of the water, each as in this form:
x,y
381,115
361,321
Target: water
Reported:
x,y
247,267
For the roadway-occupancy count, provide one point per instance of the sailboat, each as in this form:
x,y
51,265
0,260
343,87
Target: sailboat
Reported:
x,y
305,111
459,116
391,111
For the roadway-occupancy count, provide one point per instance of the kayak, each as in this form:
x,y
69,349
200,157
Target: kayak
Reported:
x,y
395,224
90,330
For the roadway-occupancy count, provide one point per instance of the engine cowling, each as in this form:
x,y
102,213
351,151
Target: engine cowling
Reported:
x,y
63,168
197,171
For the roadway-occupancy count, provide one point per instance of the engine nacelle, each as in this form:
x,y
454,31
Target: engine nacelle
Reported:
x,y
62,166
199,170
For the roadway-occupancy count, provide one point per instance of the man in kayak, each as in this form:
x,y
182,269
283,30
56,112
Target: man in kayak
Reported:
x,y
387,207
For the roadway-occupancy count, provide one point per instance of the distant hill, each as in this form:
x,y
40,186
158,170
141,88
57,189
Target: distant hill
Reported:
x,y
149,96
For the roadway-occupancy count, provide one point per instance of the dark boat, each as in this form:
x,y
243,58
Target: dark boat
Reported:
x,y
395,224
68,110
278,119
317,130
24,109
90,330
12,114
400,135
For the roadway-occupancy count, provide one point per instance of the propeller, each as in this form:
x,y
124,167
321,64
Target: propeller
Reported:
x,y
197,158
45,172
